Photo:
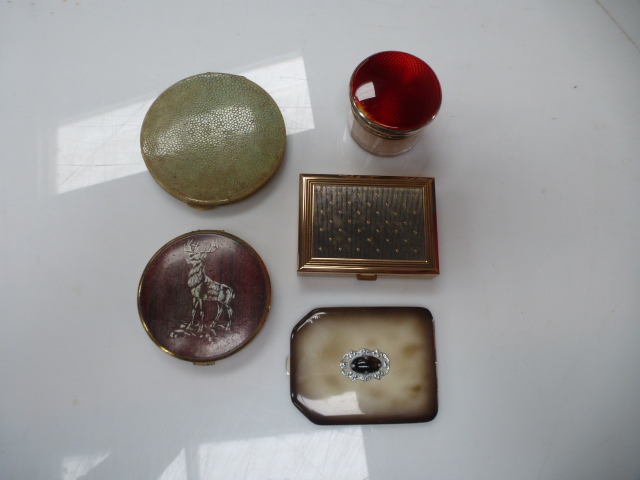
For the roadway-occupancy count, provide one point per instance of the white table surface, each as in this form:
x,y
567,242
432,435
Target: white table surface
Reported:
x,y
536,158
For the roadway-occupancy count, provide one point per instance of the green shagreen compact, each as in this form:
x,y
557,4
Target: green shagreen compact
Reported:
x,y
213,139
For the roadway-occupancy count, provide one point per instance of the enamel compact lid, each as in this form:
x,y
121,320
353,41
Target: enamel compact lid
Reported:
x,y
360,365
204,296
213,139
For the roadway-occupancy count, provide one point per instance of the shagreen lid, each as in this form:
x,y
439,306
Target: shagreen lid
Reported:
x,y
395,93
364,365
213,139
204,296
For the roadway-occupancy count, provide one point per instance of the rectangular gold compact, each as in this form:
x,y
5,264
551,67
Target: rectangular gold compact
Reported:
x,y
367,226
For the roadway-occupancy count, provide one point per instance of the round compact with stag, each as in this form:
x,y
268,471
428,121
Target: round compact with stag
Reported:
x,y
204,296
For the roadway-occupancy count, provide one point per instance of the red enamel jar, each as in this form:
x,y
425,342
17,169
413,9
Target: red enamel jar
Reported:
x,y
393,95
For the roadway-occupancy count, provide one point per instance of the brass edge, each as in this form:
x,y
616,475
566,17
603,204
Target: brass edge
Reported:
x,y
302,253
430,237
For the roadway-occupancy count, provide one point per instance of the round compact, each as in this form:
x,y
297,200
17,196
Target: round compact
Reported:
x,y
204,296
213,139
394,95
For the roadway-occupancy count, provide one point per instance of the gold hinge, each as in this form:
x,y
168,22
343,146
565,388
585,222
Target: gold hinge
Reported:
x,y
367,276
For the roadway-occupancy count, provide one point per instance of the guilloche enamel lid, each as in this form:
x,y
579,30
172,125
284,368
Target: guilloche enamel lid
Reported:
x,y
395,94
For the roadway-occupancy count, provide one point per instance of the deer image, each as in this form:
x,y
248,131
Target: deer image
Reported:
x,y
203,289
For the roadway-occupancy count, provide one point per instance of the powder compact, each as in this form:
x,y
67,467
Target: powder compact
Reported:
x,y
359,365
204,296
213,139
367,226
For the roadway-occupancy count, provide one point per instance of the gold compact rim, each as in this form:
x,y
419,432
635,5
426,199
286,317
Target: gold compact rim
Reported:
x,y
210,360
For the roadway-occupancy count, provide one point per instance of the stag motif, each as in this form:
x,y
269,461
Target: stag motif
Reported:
x,y
204,289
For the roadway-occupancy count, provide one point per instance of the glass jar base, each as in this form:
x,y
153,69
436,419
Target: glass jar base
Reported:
x,y
382,147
